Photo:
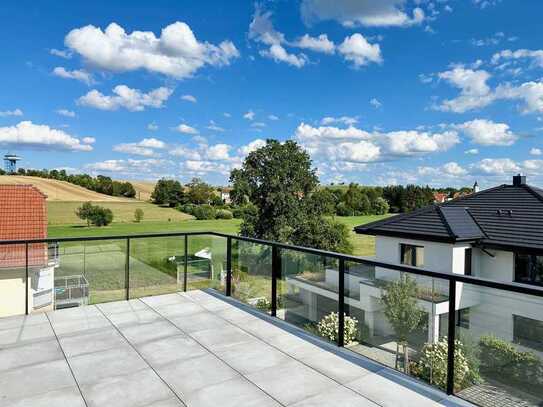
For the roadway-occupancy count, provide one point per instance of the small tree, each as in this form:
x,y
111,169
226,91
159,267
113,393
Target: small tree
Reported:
x,y
84,212
403,312
380,206
101,216
138,215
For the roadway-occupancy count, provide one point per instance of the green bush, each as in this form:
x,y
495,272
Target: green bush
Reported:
x,y
432,365
138,215
94,214
187,208
328,327
203,212
101,216
501,359
343,210
224,214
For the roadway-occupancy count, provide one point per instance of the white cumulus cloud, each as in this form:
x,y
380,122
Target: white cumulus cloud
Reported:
x,y
176,52
77,74
41,137
189,98
66,112
6,113
368,13
186,129
359,51
488,133
125,97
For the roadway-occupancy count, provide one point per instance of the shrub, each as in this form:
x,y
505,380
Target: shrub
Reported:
x,y
432,366
328,327
101,216
187,208
343,210
97,215
503,360
138,215
380,206
224,214
241,211
203,212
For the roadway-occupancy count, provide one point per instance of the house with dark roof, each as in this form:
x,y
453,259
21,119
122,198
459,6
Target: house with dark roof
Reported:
x,y
23,215
495,234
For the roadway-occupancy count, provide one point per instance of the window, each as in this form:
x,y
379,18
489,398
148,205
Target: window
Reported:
x,y
412,255
528,269
461,321
528,332
467,262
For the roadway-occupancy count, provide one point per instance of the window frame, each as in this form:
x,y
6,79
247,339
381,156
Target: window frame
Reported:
x,y
535,325
532,258
413,249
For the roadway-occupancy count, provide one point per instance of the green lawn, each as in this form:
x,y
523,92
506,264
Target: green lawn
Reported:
x,y
363,245
63,213
153,269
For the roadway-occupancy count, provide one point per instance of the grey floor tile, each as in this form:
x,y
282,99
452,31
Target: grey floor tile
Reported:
x,y
71,326
93,367
30,354
35,379
116,307
26,334
67,396
74,314
222,337
339,396
149,332
141,316
133,390
198,322
93,341
173,402
253,356
236,392
22,320
161,300
179,309
261,328
170,349
387,393
190,375
236,315
293,345
336,367
291,382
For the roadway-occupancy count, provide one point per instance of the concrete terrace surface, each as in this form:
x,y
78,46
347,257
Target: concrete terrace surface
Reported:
x,y
194,349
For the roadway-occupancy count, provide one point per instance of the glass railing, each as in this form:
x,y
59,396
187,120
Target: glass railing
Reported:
x,y
479,339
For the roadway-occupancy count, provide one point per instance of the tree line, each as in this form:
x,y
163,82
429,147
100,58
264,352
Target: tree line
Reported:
x,y
100,183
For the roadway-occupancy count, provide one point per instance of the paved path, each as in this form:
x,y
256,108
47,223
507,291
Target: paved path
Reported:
x,y
192,349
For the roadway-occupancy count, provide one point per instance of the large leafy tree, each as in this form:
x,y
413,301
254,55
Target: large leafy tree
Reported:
x,y
168,192
199,192
279,180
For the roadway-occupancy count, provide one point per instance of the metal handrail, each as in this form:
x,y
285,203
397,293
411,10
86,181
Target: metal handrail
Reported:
x,y
277,247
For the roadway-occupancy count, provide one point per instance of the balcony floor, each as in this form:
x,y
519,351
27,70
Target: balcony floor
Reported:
x,y
194,349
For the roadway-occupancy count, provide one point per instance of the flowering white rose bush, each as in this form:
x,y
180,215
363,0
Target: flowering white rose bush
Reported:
x,y
328,327
433,364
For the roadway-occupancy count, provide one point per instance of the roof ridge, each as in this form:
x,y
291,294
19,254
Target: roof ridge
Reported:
x,y
446,223
468,210
466,197
532,190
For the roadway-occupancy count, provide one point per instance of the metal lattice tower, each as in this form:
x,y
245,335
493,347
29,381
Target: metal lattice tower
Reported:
x,y
10,163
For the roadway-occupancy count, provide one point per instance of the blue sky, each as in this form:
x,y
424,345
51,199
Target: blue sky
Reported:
x,y
443,92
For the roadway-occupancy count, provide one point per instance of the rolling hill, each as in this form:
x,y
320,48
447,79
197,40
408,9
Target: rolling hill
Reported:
x,y
61,190
144,189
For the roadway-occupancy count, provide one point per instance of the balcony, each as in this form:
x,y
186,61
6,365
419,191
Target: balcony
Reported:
x,y
207,319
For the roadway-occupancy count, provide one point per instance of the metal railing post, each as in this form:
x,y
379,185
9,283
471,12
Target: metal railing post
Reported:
x,y
186,263
26,279
228,266
451,336
341,304
127,269
276,274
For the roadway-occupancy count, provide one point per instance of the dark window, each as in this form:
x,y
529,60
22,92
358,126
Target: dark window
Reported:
x,y
412,255
461,321
528,332
467,262
528,269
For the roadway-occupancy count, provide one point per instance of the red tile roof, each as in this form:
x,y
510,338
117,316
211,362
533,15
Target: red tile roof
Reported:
x,y
23,215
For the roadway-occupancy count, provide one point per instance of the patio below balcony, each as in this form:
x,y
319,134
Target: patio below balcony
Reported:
x,y
197,349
